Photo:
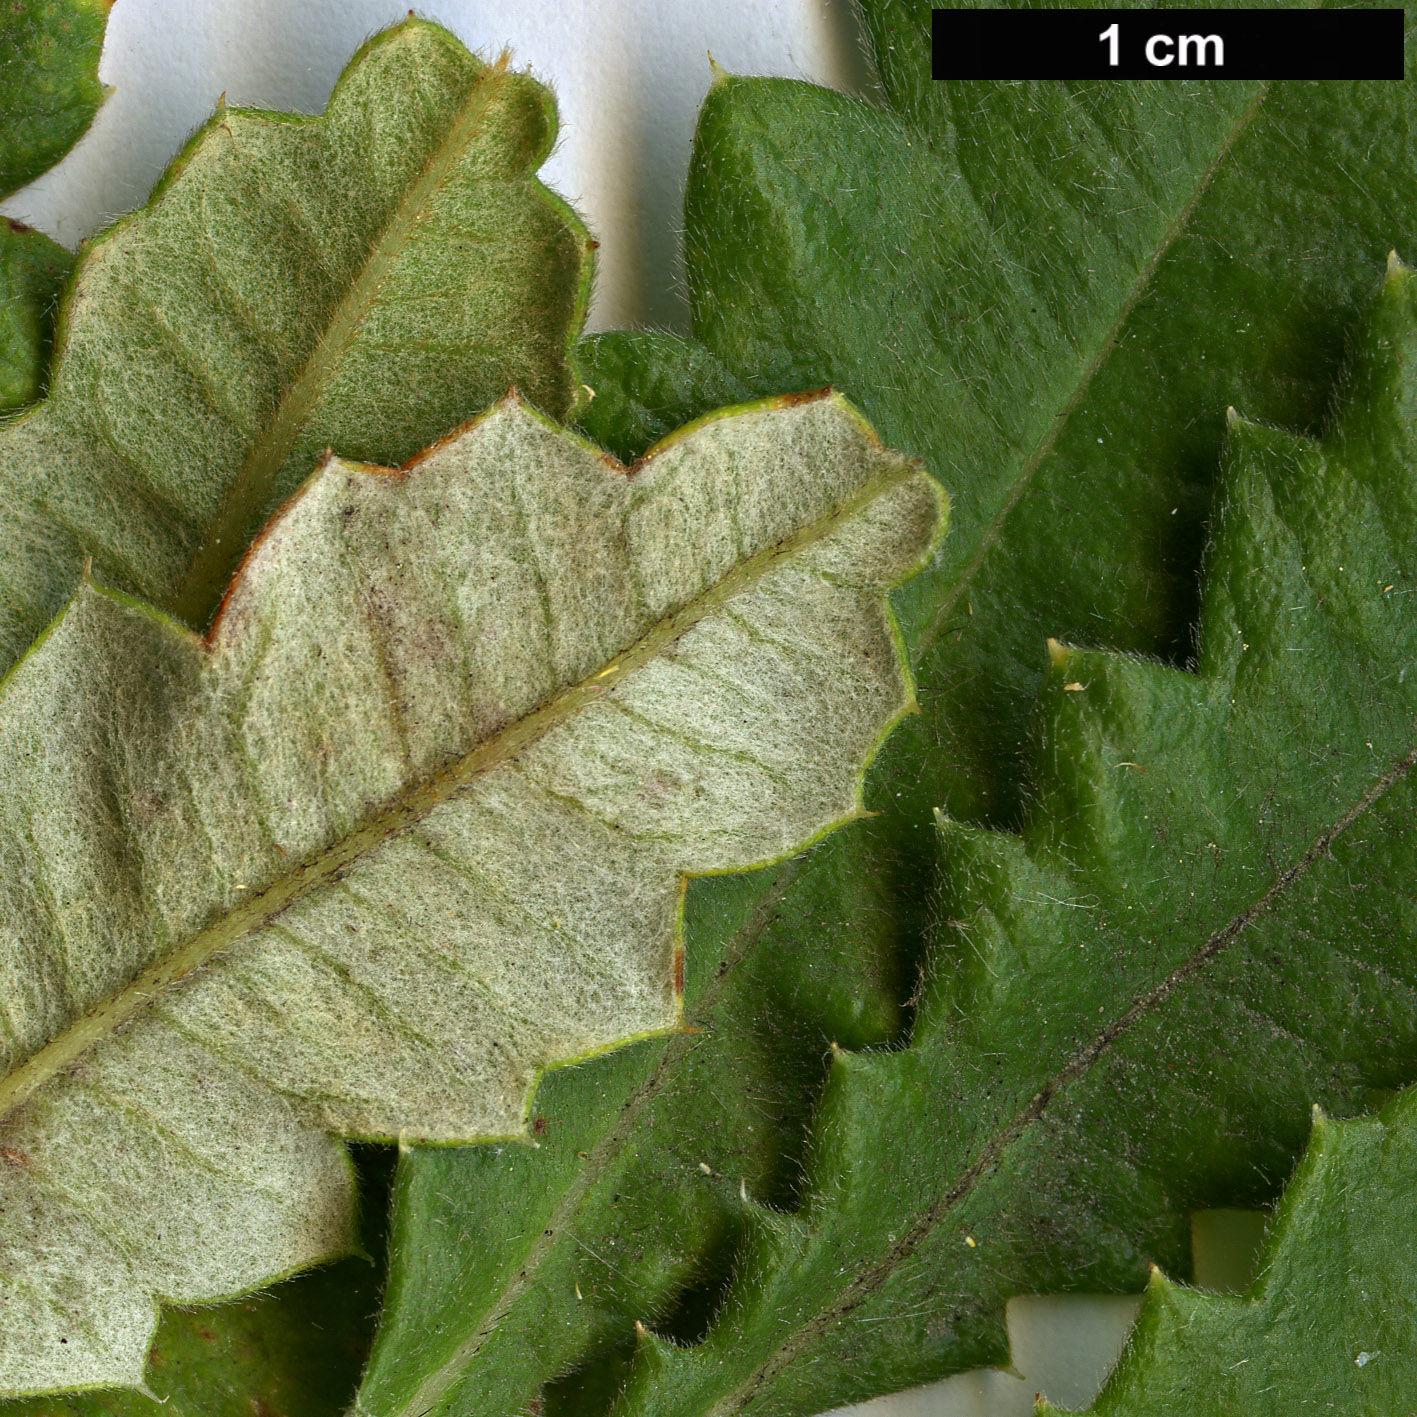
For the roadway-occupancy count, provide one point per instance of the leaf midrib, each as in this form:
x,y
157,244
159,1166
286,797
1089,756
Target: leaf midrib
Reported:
x,y
436,1385
415,802
1144,1004
211,566
993,532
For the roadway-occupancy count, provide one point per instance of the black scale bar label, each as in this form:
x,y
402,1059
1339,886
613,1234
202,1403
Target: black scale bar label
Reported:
x,y
1168,44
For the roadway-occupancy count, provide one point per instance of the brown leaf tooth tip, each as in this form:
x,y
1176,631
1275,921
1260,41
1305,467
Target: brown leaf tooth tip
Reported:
x,y
511,399
805,396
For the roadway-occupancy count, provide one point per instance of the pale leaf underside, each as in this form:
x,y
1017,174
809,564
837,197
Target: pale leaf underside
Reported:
x,y
410,827
363,280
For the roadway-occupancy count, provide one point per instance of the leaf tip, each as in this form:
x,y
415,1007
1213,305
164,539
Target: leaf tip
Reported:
x,y
719,73
1156,1281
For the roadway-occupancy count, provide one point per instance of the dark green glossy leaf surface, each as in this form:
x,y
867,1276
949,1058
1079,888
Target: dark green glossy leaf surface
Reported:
x,y
49,93
1205,926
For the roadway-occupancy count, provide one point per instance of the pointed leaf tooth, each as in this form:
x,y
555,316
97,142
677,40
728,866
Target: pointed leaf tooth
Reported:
x,y
655,1362
1330,1298
1373,420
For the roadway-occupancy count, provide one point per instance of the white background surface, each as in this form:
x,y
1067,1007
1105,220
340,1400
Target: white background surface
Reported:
x,y
629,76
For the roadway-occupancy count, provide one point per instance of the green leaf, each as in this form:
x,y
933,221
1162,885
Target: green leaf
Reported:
x,y
1337,1267
785,1271
1205,926
49,88
1050,292
407,829
364,280
32,271
49,92
649,384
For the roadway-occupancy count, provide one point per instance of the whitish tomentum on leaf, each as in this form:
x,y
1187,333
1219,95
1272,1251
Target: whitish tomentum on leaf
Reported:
x,y
363,280
1204,928
1326,1326
409,827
